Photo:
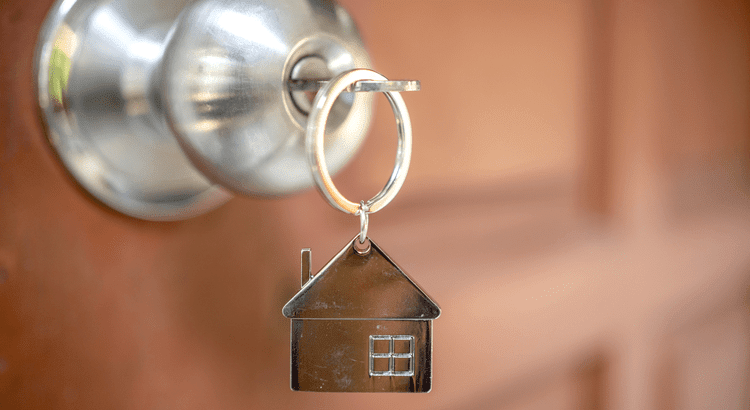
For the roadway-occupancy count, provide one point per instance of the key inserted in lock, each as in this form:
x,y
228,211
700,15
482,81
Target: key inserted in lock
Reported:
x,y
359,86
169,112
311,73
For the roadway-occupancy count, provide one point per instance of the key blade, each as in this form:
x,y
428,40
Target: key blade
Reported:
x,y
315,84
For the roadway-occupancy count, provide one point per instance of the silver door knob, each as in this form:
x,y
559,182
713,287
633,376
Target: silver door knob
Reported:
x,y
163,108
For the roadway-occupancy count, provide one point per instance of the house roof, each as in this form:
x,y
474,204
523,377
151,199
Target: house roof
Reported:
x,y
354,286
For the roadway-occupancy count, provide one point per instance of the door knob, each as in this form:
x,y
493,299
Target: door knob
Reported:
x,y
162,109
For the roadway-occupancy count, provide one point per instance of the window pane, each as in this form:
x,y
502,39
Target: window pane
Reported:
x,y
381,346
380,365
402,365
401,346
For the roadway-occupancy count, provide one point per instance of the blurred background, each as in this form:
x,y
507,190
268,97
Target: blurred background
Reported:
x,y
577,205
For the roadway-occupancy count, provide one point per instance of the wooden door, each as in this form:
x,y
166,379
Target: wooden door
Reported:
x,y
577,205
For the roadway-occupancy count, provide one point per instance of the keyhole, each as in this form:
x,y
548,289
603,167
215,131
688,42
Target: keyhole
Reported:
x,y
310,67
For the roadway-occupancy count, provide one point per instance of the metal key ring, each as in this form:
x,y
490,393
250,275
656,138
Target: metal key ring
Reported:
x,y
315,132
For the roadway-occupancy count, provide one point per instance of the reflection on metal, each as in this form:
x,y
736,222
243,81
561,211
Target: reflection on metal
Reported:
x,y
361,325
63,48
160,109
360,86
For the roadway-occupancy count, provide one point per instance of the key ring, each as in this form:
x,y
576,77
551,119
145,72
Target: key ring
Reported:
x,y
314,137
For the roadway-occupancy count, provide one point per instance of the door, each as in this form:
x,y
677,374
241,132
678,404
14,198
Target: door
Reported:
x,y
577,205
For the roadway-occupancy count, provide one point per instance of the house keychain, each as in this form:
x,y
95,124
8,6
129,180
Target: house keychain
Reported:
x,y
360,324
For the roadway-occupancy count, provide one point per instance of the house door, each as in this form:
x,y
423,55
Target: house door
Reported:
x,y
577,205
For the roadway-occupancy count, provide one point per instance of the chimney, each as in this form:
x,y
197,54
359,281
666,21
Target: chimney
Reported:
x,y
306,262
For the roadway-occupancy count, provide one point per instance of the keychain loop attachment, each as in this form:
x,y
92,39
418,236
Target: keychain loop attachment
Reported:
x,y
315,133
364,221
359,245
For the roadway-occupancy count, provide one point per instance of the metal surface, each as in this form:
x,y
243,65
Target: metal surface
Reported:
x,y
307,68
152,106
364,221
306,263
342,316
354,286
313,84
334,356
396,365
315,138
362,248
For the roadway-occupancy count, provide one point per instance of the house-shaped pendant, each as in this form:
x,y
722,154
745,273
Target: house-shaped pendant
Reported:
x,y
360,325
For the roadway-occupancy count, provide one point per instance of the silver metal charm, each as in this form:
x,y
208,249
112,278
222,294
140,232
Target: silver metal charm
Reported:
x,y
360,325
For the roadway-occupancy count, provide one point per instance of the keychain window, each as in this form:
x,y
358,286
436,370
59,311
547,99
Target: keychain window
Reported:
x,y
391,355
